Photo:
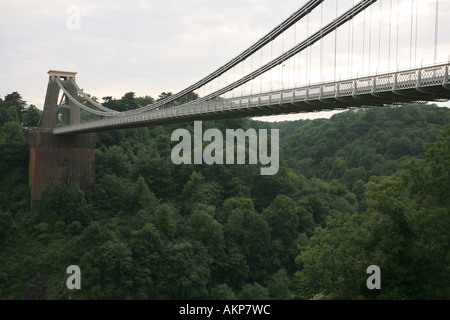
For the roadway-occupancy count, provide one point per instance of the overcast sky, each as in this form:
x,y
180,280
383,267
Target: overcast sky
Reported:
x,y
145,46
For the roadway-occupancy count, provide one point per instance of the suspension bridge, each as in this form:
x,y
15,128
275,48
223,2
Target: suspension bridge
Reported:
x,y
328,55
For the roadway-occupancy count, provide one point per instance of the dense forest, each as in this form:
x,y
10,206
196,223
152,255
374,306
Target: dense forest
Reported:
x,y
365,187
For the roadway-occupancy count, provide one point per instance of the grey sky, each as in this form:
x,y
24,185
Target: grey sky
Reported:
x,y
142,46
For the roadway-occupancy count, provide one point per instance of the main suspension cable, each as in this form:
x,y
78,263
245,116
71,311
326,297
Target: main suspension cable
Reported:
x,y
350,14
82,106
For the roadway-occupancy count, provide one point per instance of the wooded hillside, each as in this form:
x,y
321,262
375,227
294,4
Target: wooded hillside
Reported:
x,y
366,187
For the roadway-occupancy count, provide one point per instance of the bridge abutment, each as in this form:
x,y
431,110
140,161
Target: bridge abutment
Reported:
x,y
67,160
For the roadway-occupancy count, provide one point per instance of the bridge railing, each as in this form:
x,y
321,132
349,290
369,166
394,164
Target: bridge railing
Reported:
x,y
401,80
427,76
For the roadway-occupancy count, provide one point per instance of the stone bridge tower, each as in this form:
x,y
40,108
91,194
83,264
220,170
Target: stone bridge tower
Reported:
x,y
51,105
60,160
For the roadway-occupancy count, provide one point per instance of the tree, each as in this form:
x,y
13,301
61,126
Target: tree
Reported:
x,y
193,191
5,223
106,270
167,220
145,242
430,182
283,218
266,188
13,146
112,194
331,263
248,232
253,291
15,99
222,292
203,227
141,197
145,245
112,160
31,116
183,271
128,102
279,287
155,170
111,103
164,95
198,191
144,101
64,204
405,231
319,198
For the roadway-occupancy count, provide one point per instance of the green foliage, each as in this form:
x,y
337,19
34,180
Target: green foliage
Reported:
x,y
222,292
112,160
167,220
107,270
13,147
141,196
364,187
127,102
204,228
197,191
112,194
279,287
405,231
253,291
248,232
64,204
373,141
31,116
155,170
5,224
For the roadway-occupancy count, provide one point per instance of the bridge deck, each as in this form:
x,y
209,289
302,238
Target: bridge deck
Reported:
x,y
416,85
